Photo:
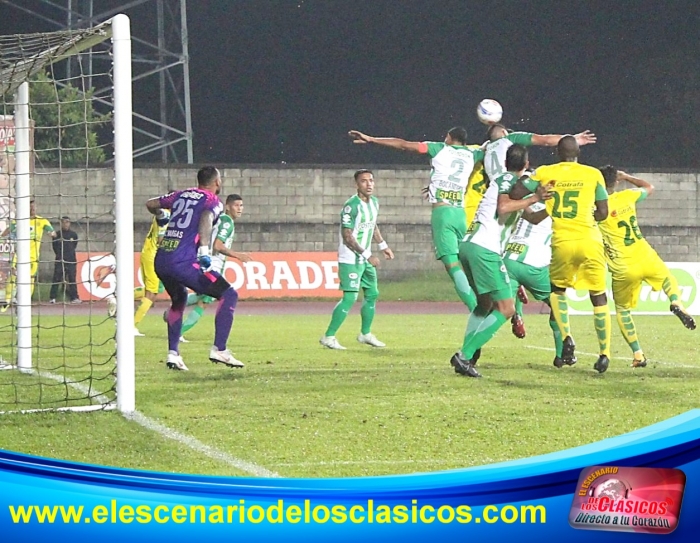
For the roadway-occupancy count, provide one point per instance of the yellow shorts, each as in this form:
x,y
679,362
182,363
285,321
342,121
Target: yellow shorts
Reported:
x,y
578,264
148,272
627,280
33,266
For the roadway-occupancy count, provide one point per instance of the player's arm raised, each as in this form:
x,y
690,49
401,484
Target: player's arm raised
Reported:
x,y
550,140
383,245
350,242
636,181
155,207
508,204
220,247
601,201
395,143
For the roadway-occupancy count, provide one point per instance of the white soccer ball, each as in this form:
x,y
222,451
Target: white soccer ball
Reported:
x,y
489,111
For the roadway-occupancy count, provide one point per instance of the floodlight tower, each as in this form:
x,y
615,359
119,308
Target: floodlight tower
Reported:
x,y
162,119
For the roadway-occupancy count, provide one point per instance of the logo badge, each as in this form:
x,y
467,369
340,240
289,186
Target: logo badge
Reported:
x,y
624,499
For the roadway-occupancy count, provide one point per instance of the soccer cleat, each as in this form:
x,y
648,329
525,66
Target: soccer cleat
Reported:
x,y
601,365
639,362
111,306
522,295
52,301
183,340
224,357
76,301
331,343
137,333
175,362
463,366
567,351
517,326
558,362
687,320
370,339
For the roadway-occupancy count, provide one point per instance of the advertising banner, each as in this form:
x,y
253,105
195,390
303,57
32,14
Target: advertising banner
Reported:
x,y
269,275
650,303
7,170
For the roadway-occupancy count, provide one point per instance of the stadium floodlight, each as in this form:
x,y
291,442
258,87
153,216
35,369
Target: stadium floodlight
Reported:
x,y
56,149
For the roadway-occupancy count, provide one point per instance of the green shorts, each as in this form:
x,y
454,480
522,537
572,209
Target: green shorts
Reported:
x,y
536,280
354,277
486,271
449,226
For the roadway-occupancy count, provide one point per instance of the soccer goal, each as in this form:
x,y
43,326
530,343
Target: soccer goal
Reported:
x,y
66,172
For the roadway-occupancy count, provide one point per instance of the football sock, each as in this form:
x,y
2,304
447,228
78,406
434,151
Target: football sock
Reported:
x,y
367,311
629,331
518,306
558,343
670,287
603,328
560,310
192,318
174,327
10,289
193,298
480,332
144,306
459,278
340,312
224,318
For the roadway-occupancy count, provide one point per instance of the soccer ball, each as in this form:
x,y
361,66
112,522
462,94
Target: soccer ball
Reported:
x,y
489,111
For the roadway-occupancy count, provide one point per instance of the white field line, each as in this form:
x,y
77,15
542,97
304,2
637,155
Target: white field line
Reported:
x,y
358,462
169,433
596,355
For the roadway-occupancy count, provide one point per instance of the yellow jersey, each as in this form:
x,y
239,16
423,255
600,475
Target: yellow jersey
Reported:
x,y
624,243
155,234
37,227
476,188
576,189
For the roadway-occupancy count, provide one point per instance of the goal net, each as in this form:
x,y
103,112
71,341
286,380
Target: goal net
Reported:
x,y
66,220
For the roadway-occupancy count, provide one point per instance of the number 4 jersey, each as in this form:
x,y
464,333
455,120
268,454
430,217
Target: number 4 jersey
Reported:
x,y
181,238
625,245
451,166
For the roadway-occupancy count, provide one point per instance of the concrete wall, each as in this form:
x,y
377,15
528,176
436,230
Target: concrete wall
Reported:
x,y
297,209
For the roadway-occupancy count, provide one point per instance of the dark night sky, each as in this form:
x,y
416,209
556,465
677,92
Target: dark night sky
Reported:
x,y
284,80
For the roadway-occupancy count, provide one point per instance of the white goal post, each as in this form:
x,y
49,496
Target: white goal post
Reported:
x,y
18,66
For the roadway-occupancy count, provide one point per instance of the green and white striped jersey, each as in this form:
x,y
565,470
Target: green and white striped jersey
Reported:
x,y
488,230
451,166
531,243
361,217
495,152
224,231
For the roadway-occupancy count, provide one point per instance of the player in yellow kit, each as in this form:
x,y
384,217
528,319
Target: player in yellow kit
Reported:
x,y
38,226
632,260
578,255
476,188
151,283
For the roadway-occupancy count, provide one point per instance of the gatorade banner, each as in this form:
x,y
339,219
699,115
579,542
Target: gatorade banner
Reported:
x,y
269,275
650,303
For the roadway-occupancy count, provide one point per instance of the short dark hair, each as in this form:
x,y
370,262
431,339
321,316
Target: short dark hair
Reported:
x,y
610,175
493,127
458,133
207,175
516,157
358,173
233,198
64,218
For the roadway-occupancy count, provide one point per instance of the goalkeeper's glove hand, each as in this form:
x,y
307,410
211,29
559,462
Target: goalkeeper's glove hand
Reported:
x,y
162,218
204,258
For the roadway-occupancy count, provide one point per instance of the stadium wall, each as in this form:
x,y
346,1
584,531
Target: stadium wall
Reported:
x,y
297,209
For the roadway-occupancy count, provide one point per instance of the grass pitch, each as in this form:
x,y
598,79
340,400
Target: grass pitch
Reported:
x,y
303,411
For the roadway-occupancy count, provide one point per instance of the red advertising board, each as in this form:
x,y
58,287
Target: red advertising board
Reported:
x,y
269,275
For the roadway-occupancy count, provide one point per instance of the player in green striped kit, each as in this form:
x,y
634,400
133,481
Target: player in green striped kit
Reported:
x,y
452,163
480,255
527,257
357,266
222,240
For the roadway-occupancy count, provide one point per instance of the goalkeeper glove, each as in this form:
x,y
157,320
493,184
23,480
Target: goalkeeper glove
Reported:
x,y
203,258
162,217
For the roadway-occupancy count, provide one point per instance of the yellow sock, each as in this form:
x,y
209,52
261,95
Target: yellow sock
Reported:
x,y
603,328
670,287
142,310
560,310
10,289
629,331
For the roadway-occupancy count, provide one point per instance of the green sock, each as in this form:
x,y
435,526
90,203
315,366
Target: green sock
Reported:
x,y
459,278
670,287
518,306
367,314
193,299
603,328
560,312
629,331
340,312
192,319
479,333
558,343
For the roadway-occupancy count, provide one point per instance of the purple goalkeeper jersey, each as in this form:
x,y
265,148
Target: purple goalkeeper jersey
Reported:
x,y
181,239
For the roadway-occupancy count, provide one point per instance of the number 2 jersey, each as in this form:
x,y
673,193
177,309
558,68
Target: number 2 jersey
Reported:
x,y
625,245
181,239
451,167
